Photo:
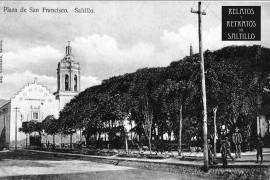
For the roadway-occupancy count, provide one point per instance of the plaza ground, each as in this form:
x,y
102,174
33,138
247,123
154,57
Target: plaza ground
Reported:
x,y
192,159
26,167
51,165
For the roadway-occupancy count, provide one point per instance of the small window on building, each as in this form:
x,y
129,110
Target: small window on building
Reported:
x,y
75,83
66,82
35,115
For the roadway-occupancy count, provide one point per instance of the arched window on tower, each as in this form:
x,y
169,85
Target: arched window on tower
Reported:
x,y
66,83
75,83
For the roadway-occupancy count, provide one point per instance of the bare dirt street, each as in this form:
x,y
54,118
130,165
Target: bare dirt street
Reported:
x,y
77,169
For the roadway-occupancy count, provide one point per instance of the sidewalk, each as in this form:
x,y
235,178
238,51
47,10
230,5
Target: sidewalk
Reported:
x,y
249,156
247,161
266,151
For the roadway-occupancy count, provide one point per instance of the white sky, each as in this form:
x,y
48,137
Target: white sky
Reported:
x,y
118,38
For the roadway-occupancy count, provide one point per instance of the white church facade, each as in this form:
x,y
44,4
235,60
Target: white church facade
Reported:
x,y
35,101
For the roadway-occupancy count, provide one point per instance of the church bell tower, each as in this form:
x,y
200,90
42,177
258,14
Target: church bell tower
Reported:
x,y
68,78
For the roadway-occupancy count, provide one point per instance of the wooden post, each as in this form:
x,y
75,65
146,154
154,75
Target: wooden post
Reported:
x,y
215,132
126,141
71,141
54,140
180,131
16,116
25,140
80,135
200,13
61,140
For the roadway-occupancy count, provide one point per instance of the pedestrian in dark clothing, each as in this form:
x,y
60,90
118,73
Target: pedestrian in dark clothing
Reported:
x,y
228,146
223,151
259,148
237,140
210,154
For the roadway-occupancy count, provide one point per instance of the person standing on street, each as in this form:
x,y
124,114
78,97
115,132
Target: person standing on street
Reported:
x,y
228,146
210,154
259,148
237,140
223,151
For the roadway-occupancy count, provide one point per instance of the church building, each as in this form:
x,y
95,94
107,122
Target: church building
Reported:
x,y
35,101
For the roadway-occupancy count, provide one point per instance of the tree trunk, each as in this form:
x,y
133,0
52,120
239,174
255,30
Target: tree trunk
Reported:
x,y
26,141
158,133
126,142
80,135
53,140
180,131
71,141
98,140
88,139
61,140
148,118
99,136
150,138
131,137
161,134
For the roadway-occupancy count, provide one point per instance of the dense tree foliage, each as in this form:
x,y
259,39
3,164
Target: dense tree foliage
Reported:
x,y
50,126
152,97
29,127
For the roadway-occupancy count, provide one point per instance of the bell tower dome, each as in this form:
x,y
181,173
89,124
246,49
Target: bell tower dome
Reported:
x,y
68,78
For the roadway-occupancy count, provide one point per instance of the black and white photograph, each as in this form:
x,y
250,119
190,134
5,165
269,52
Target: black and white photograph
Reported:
x,y
134,90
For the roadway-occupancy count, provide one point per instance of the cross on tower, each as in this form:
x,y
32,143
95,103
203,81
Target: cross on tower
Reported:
x,y
68,49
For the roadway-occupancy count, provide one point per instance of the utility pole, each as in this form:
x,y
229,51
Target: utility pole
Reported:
x,y
200,13
16,116
258,76
180,131
215,132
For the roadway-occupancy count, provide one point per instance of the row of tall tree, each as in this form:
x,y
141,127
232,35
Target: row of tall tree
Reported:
x,y
168,99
